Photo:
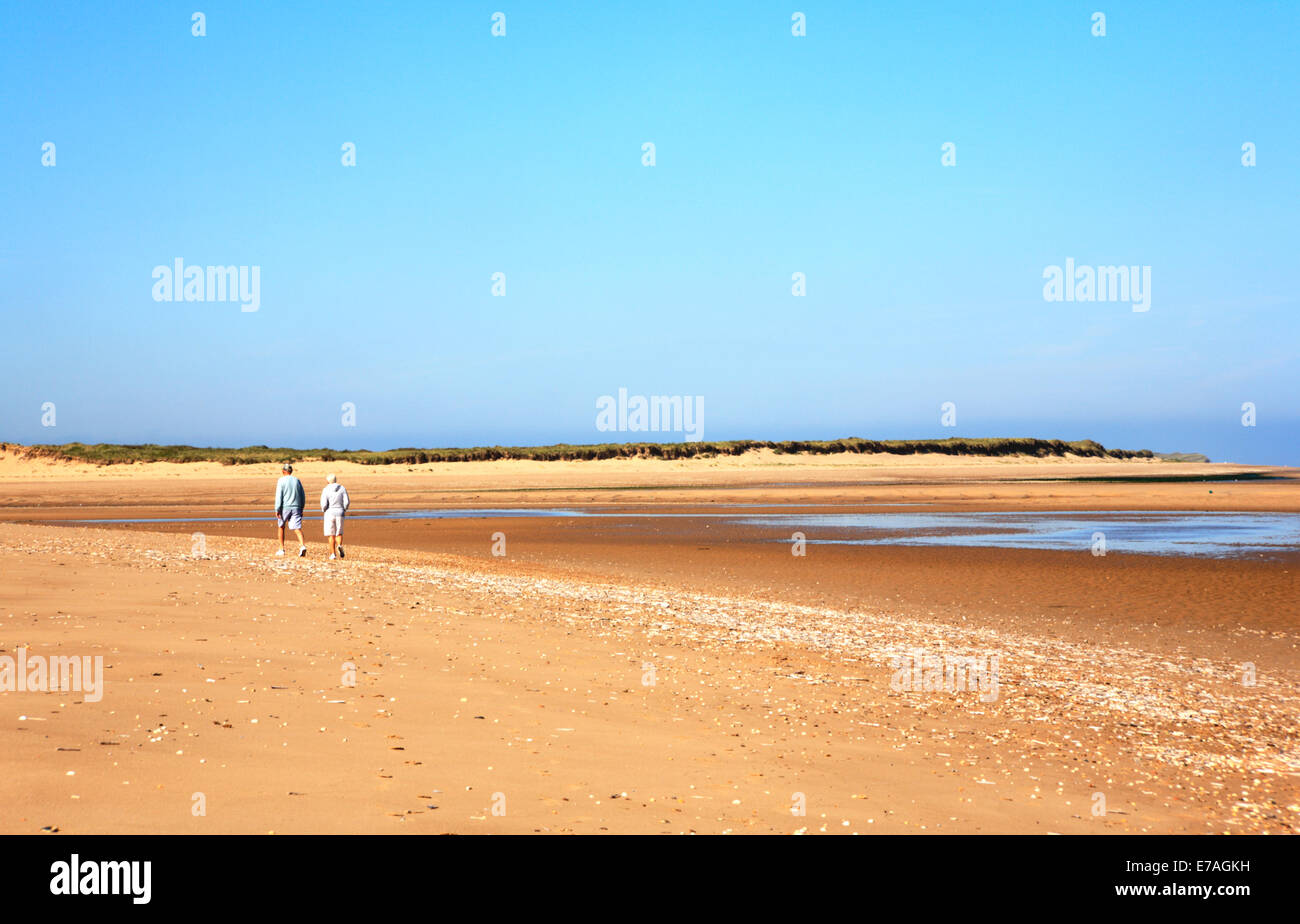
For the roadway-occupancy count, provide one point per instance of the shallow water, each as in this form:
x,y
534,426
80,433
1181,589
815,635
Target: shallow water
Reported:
x,y
1144,532
1192,533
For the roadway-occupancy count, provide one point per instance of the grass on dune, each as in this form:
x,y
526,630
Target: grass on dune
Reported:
x,y
118,454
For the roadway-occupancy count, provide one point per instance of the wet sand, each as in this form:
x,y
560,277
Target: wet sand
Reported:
x,y
1120,675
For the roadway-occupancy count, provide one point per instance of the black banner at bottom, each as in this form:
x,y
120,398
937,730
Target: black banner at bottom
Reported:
x,y
301,874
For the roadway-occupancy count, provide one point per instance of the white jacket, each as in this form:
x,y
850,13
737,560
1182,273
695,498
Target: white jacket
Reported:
x,y
334,499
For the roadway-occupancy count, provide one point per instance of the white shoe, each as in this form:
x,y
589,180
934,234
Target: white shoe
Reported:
x,y
302,550
280,554
332,557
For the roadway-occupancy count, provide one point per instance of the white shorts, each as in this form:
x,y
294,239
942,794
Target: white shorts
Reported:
x,y
292,518
333,523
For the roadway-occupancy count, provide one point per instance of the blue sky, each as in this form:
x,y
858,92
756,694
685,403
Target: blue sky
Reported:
x,y
775,154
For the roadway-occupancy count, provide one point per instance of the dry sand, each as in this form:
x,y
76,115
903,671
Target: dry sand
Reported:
x,y
522,681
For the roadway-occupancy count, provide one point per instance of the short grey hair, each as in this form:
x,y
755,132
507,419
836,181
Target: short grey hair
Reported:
x,y
331,479
287,468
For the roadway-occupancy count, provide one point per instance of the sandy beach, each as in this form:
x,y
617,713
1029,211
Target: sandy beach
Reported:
x,y
658,668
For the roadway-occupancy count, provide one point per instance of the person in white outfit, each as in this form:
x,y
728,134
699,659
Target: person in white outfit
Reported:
x,y
334,504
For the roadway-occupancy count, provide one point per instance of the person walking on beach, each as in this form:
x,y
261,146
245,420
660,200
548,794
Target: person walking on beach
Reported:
x,y
289,501
334,504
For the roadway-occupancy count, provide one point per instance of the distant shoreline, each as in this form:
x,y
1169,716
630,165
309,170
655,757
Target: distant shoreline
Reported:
x,y
126,454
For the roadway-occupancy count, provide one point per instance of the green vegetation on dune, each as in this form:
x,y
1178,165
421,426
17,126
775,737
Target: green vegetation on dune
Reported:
x,y
116,454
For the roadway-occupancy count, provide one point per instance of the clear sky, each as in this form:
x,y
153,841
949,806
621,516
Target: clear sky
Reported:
x,y
774,154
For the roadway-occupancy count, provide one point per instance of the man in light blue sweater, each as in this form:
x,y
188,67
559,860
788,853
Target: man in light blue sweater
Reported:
x,y
289,501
